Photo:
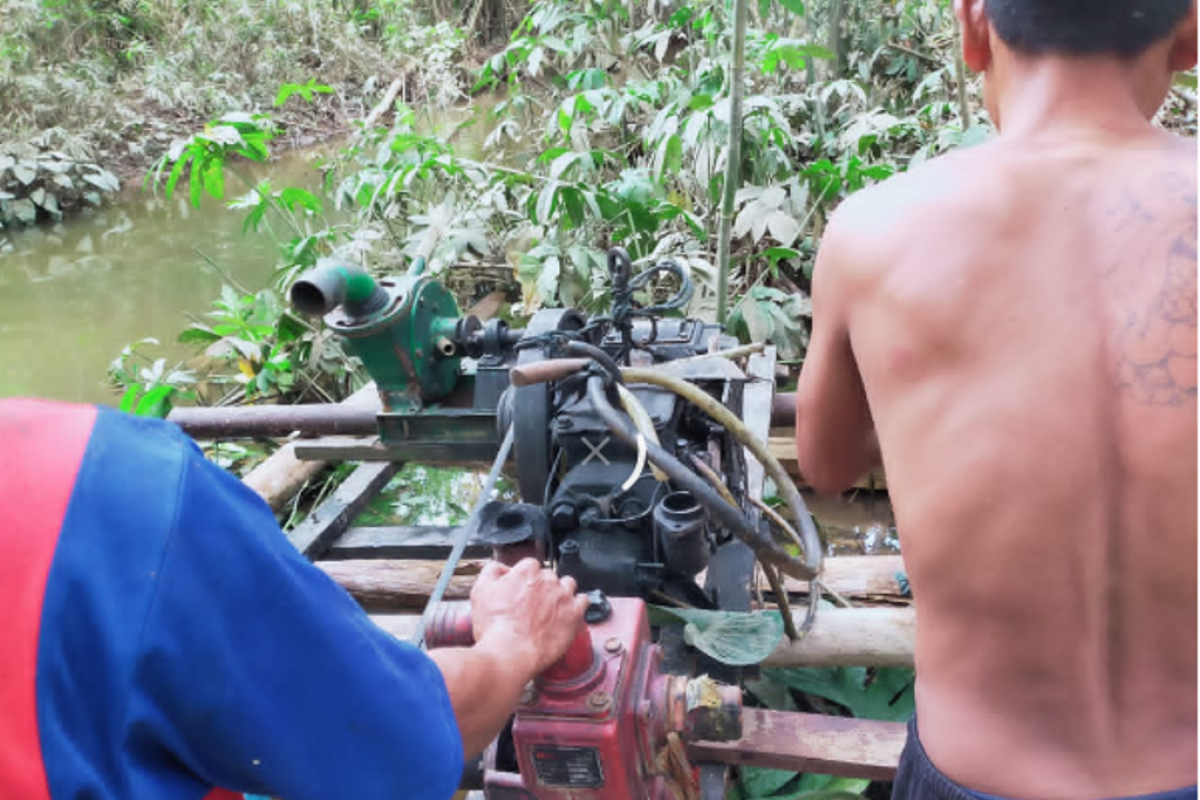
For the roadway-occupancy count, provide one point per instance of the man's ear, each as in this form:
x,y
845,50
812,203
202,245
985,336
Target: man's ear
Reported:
x,y
976,42
1183,48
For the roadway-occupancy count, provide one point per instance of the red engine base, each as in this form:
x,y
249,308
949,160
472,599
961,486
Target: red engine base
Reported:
x,y
605,723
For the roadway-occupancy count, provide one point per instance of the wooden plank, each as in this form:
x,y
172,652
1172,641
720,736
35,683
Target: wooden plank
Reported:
x,y
313,536
401,542
399,585
849,576
370,449
756,413
841,637
843,746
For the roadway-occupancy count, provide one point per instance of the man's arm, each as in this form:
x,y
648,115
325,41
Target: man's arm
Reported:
x,y
835,435
524,620
256,672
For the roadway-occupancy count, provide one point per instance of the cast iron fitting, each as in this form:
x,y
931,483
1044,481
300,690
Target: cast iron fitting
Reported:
x,y
449,625
581,666
338,283
515,531
679,525
702,709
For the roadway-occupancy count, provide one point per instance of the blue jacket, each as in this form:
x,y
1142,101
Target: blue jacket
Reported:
x,y
162,638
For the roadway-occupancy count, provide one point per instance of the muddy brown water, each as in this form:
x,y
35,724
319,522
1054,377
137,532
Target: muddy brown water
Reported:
x,y
72,295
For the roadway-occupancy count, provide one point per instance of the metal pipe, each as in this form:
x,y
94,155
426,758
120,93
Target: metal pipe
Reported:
x,y
273,422
334,283
783,410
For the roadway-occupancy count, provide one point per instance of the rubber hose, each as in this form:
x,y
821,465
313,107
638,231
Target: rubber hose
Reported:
x,y
585,350
767,550
810,540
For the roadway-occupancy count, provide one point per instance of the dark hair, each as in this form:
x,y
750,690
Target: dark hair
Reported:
x,y
1084,27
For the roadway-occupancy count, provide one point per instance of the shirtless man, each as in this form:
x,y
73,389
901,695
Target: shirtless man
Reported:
x,y
1014,328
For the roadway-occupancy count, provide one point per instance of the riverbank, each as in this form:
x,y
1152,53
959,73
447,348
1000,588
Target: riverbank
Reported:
x,y
91,96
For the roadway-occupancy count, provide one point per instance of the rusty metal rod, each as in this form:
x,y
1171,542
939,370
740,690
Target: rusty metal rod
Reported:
x,y
554,369
317,419
783,410
328,419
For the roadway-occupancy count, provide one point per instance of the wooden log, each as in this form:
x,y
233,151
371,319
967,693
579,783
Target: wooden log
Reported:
x,y
856,577
394,585
284,473
851,637
841,637
843,746
281,476
394,582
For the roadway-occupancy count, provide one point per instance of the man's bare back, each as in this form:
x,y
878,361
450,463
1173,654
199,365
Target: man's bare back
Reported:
x,y
1012,329
1024,322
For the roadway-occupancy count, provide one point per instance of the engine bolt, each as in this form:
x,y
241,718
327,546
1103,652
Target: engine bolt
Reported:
x,y
599,700
613,645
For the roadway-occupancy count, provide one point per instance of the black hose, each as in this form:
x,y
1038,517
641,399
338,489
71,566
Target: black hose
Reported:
x,y
767,550
585,350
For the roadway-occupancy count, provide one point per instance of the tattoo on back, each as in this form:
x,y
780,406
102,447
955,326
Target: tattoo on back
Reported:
x,y
1156,343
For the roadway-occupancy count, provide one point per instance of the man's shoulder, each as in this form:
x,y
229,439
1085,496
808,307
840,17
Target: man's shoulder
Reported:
x,y
923,192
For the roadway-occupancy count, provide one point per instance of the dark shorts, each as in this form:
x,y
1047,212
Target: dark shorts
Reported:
x,y
918,779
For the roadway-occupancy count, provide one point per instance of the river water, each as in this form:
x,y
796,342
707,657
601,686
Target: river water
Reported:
x,y
74,294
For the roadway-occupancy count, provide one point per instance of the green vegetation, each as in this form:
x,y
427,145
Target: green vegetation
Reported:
x,y
112,82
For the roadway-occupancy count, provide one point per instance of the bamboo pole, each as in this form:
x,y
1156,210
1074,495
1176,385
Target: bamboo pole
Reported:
x,y
733,172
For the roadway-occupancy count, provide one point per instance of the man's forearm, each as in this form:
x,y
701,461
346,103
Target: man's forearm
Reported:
x,y
485,683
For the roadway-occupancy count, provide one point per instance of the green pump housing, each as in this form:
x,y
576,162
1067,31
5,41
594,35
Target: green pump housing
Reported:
x,y
404,329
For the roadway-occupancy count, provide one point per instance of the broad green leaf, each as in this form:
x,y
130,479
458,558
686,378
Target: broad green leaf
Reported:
x,y
887,696
25,172
129,399
214,178
292,197
198,334
730,637
813,782
783,227
155,403
761,782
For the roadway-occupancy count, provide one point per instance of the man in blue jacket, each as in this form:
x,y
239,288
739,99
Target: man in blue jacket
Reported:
x,y
163,639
